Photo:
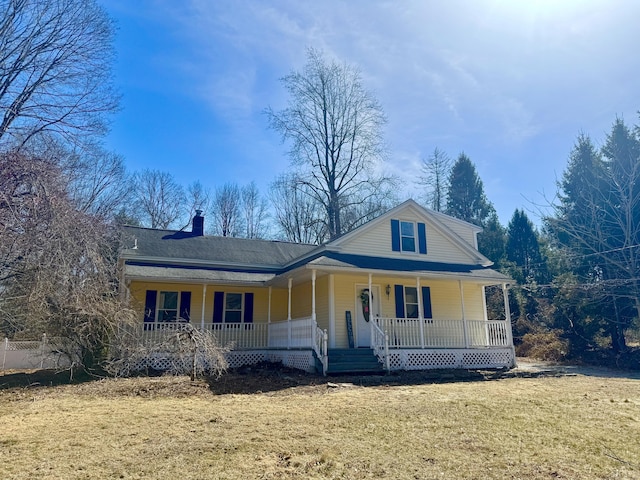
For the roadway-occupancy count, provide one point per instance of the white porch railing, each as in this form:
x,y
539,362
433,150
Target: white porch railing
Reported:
x,y
380,344
438,333
298,333
320,346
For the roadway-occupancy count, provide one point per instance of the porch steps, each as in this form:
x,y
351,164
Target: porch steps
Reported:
x,y
353,360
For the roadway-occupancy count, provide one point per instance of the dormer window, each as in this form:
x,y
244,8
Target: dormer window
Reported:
x,y
408,236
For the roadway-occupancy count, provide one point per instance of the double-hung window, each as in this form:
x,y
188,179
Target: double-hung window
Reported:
x,y
411,302
407,236
232,307
408,303
166,306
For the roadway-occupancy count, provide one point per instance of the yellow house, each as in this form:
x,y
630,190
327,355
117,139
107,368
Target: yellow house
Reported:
x,y
404,291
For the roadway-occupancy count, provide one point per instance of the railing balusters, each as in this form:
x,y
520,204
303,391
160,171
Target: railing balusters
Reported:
x,y
299,333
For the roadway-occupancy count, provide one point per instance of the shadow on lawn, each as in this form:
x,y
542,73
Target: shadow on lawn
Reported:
x,y
275,378
43,378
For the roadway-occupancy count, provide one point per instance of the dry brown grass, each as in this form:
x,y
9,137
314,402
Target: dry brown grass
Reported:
x,y
573,427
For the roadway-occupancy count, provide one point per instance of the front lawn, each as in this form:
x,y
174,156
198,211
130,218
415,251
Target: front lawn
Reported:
x,y
535,428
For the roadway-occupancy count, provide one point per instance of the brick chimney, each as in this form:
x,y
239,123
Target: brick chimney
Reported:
x,y
197,228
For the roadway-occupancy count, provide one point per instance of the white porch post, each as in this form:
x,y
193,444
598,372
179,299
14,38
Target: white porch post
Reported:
x,y
289,304
507,314
313,295
269,307
464,316
204,302
332,312
371,320
289,317
420,312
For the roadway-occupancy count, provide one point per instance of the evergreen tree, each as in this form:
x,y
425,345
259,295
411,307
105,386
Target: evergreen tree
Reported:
x,y
492,241
597,223
523,248
466,199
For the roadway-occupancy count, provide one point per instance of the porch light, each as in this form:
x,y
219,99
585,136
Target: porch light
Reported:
x,y
388,290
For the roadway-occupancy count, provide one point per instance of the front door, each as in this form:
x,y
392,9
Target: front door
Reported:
x,y
363,329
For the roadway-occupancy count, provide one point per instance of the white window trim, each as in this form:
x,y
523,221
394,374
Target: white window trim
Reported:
x,y
417,304
159,308
224,308
415,236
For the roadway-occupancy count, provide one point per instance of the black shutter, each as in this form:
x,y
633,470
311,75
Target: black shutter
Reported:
x,y
218,307
248,307
185,306
426,302
422,238
399,291
150,306
395,235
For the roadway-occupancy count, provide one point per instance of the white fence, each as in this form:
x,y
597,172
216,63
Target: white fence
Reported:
x,y
28,354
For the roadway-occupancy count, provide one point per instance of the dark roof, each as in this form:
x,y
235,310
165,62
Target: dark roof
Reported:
x,y
340,260
175,246
181,255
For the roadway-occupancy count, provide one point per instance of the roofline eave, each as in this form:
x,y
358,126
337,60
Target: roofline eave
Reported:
x,y
413,274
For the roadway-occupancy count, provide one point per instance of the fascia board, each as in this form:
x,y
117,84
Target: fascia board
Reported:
x,y
201,263
396,273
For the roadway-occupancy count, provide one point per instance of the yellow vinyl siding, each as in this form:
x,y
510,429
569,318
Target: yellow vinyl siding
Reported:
x,y
260,299
376,241
463,231
301,300
279,304
322,302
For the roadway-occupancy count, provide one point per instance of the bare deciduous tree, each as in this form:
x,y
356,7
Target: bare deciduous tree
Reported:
x,y
435,174
198,198
98,182
255,210
159,199
297,215
55,68
226,211
335,129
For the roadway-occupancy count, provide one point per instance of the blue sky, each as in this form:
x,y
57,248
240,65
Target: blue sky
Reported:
x,y
510,83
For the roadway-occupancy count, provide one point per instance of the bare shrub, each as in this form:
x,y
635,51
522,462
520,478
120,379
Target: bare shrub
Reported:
x,y
185,350
543,345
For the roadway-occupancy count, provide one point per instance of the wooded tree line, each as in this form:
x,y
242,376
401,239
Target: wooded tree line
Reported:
x,y
577,278
62,195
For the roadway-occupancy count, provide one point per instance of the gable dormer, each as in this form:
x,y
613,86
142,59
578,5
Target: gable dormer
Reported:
x,y
410,231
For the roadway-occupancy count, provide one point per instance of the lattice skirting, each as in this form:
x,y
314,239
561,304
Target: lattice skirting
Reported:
x,y
298,359
426,359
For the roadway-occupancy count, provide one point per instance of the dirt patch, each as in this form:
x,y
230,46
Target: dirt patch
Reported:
x,y
275,380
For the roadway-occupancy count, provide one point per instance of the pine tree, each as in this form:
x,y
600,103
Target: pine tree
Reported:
x,y
523,248
466,199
